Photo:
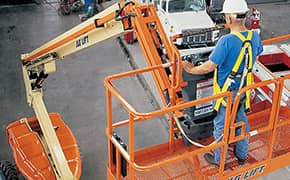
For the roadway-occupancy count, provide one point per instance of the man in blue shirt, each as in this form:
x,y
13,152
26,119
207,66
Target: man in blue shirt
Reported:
x,y
90,9
224,59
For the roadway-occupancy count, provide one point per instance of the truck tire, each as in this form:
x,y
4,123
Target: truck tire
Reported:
x,y
8,171
65,7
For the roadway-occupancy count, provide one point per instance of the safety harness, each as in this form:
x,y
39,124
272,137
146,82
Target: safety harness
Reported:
x,y
247,54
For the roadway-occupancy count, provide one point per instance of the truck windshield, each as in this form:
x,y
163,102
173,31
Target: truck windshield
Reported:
x,y
186,5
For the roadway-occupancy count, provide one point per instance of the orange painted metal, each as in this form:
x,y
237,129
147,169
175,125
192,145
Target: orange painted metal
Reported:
x,y
172,160
146,116
276,39
29,153
46,50
183,162
106,19
269,143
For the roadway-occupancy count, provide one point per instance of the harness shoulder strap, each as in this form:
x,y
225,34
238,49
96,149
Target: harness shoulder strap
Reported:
x,y
246,44
246,50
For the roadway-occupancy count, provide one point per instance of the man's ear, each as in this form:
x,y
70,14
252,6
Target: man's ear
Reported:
x,y
230,19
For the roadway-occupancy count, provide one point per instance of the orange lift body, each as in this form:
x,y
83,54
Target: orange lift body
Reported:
x,y
269,141
30,157
269,120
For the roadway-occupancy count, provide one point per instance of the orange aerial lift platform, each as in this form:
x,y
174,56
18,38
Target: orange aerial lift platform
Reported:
x,y
45,148
269,144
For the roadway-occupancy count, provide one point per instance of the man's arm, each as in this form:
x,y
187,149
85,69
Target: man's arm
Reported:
x,y
205,68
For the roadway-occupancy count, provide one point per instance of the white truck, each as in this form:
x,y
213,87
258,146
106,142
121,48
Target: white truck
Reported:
x,y
187,17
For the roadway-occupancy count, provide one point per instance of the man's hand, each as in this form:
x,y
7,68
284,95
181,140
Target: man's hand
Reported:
x,y
187,66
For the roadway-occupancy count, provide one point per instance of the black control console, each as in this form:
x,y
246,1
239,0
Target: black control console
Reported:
x,y
198,121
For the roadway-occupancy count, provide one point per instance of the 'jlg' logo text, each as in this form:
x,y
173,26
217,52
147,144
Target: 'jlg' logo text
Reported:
x,y
82,41
248,174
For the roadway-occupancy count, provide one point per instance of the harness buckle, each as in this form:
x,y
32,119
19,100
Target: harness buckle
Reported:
x,y
233,75
246,42
229,81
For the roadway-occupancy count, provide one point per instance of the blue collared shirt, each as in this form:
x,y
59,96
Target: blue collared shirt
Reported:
x,y
226,53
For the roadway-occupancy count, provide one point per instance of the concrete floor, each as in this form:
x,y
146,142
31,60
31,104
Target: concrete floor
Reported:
x,y
76,90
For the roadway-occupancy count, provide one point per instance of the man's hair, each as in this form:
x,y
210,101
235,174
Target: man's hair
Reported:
x,y
237,18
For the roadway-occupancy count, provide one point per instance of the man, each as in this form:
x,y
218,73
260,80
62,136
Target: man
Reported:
x,y
90,9
232,60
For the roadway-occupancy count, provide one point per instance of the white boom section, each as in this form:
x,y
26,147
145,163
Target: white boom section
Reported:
x,y
34,98
82,36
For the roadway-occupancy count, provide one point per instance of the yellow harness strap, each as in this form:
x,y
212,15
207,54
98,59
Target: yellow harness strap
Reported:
x,y
246,52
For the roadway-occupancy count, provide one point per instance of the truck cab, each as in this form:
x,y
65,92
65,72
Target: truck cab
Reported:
x,y
187,17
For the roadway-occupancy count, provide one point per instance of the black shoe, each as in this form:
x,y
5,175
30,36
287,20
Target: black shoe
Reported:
x,y
240,161
210,159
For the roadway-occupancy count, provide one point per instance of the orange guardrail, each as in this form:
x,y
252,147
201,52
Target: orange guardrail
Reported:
x,y
276,39
275,101
229,137
149,45
135,117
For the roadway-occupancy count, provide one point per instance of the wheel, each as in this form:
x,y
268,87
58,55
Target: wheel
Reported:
x,y
64,6
8,171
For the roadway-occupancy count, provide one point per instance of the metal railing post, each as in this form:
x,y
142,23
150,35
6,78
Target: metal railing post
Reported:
x,y
131,146
109,124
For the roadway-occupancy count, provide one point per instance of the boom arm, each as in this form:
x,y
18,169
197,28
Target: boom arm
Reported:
x,y
78,38
41,62
115,20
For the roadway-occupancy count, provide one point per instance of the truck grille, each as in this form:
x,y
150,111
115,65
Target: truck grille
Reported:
x,y
191,37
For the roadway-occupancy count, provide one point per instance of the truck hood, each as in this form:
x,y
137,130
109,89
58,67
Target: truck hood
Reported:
x,y
190,20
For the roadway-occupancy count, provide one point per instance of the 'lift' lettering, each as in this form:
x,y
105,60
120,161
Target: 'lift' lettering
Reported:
x,y
248,174
82,41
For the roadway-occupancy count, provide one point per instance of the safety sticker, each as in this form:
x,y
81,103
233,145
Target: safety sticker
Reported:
x,y
203,111
204,89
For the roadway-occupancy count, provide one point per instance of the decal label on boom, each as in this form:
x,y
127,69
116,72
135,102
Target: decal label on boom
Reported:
x,y
249,173
82,41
